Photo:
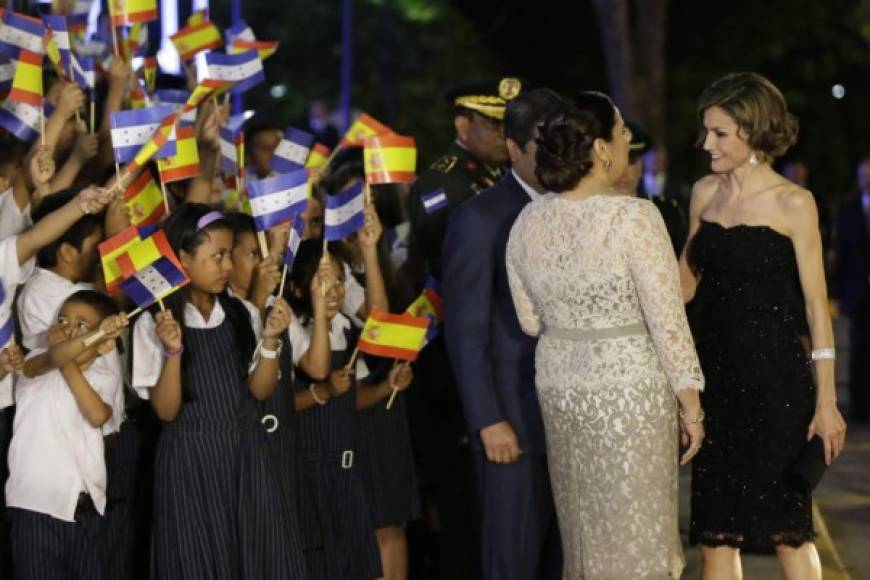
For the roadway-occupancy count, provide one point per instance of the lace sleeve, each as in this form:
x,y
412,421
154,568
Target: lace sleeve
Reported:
x,y
530,320
656,275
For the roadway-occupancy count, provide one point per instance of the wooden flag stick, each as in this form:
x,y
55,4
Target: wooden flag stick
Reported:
x,y
93,339
42,125
395,390
264,247
352,360
324,257
283,280
93,111
165,203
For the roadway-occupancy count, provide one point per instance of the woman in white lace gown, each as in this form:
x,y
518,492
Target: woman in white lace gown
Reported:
x,y
594,274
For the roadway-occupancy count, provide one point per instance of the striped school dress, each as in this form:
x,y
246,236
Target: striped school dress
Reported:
x,y
386,457
339,533
218,500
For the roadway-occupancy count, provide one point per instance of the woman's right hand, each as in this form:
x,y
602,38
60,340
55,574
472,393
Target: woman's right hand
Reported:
x,y
339,381
691,436
168,331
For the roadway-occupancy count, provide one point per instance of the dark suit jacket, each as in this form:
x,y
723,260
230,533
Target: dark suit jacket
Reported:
x,y
493,360
853,256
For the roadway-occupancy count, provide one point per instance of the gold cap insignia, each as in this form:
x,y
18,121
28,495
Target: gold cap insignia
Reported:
x,y
509,87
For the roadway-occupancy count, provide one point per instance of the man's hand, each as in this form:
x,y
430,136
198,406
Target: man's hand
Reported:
x,y
500,443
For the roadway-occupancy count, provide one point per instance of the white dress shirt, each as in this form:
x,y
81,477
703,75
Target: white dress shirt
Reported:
x,y
13,274
148,350
354,296
13,220
55,454
300,339
533,195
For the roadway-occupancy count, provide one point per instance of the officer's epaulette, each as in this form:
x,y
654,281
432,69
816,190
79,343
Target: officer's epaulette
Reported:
x,y
444,164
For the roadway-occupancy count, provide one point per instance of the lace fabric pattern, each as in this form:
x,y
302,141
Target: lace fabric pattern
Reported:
x,y
608,404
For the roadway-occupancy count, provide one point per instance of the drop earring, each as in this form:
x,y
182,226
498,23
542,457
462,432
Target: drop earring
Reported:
x,y
607,165
753,160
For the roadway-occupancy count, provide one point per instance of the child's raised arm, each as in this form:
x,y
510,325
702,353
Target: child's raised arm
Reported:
x,y
66,352
264,377
166,394
92,407
399,379
317,360
368,236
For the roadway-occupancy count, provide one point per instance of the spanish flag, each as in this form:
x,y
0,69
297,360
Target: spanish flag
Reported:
x,y
185,163
318,156
144,199
27,82
398,336
206,89
138,100
364,126
197,17
265,48
193,39
429,305
390,159
144,252
112,249
127,12
149,73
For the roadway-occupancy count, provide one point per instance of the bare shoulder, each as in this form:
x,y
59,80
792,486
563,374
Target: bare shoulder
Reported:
x,y
797,203
703,191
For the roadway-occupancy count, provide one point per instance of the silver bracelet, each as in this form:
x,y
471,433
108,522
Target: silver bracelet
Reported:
x,y
823,354
313,392
694,420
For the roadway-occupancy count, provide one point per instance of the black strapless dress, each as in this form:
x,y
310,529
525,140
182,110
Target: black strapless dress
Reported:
x,y
760,396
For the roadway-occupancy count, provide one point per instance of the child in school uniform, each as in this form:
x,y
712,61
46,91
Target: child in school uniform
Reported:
x,y
56,491
218,503
328,396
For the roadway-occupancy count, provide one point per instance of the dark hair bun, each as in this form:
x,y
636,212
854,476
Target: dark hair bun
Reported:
x,y
564,155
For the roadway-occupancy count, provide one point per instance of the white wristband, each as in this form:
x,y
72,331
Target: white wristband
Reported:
x,y
270,354
823,354
314,394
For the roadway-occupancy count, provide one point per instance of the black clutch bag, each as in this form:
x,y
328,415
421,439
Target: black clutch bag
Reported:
x,y
809,467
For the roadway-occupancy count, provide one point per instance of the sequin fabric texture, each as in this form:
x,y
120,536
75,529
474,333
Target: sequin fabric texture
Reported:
x,y
608,404
760,394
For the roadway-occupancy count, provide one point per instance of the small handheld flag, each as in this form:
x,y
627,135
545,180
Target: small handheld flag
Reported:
x,y
344,213
434,200
245,69
150,270
21,32
77,21
27,82
205,89
84,73
58,47
185,163
276,200
429,305
292,151
318,156
144,199
398,336
149,73
364,126
7,321
194,39
131,130
21,120
293,242
7,73
128,12
111,249
390,159
240,38
232,141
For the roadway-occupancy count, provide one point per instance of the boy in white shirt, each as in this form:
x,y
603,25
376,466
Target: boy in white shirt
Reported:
x,y
56,491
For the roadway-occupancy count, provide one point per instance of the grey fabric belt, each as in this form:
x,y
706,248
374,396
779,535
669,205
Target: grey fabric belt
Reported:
x,y
638,328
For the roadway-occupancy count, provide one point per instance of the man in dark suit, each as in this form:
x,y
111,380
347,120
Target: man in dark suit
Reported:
x,y
852,276
494,363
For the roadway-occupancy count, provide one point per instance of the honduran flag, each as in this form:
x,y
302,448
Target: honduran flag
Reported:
x,y
399,336
240,38
131,130
59,48
20,119
151,271
7,321
293,241
84,72
20,32
275,200
127,12
232,145
245,69
318,156
77,21
177,99
345,213
292,151
390,159
144,200
191,40
434,200
7,73
27,82
185,163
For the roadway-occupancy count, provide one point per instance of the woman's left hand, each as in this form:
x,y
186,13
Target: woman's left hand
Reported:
x,y
828,424
278,320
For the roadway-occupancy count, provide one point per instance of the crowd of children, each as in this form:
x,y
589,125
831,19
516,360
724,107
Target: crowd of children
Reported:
x,y
231,431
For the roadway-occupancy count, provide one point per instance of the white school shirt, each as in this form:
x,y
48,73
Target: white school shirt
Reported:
x,y
13,220
354,296
55,454
39,304
300,339
148,350
13,275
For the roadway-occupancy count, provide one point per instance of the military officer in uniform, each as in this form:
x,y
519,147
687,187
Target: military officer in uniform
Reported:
x,y
671,206
475,161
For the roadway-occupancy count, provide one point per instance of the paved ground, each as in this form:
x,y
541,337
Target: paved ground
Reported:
x,y
842,506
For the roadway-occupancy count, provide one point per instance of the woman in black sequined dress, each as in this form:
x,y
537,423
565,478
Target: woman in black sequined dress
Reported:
x,y
752,233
